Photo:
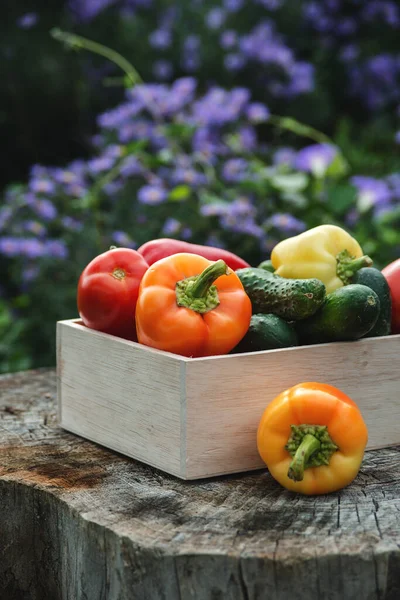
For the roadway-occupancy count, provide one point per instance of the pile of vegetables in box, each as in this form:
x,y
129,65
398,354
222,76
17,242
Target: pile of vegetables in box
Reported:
x,y
197,301
200,301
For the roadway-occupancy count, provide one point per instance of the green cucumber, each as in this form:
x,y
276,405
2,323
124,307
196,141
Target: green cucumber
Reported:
x,y
291,299
267,332
266,265
348,313
375,280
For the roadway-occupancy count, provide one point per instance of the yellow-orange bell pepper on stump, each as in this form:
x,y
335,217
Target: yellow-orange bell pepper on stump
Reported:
x,y
312,438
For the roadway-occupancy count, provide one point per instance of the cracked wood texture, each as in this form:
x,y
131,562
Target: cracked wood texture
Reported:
x,y
79,522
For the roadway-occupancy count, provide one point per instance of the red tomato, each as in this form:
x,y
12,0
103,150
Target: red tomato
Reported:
x,y
392,275
108,289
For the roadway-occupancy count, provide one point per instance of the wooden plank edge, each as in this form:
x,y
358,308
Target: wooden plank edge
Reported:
x,y
77,323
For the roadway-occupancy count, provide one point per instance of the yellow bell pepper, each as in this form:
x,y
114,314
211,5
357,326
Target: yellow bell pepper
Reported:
x,y
327,253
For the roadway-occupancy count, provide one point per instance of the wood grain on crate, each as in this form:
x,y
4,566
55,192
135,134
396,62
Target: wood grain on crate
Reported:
x,y
113,393
198,417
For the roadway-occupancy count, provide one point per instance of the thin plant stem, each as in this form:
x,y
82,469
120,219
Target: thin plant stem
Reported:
x,y
77,42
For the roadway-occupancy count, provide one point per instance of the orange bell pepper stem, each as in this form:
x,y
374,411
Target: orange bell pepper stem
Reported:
x,y
312,438
192,306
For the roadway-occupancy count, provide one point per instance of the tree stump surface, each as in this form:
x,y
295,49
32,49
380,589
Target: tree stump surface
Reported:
x,y
80,522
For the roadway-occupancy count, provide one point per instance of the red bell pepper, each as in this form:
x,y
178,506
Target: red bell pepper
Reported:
x,y
392,275
156,249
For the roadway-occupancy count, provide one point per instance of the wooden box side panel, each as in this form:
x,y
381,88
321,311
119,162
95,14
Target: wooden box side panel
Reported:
x,y
226,397
116,394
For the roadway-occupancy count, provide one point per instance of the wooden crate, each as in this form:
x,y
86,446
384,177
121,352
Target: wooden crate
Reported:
x,y
198,417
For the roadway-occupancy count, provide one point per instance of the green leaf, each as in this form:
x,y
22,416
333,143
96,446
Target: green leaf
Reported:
x,y
338,167
179,130
207,198
295,199
293,182
22,301
180,193
135,147
341,198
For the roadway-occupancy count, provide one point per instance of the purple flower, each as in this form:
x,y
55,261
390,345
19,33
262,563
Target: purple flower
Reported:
x,y
242,207
42,186
191,43
271,4
45,209
162,69
235,169
75,190
215,18
286,223
228,39
257,112
219,106
10,246
160,39
186,233
56,249
284,156
72,224
233,5
65,176
113,119
215,209
34,227
394,183
349,53
87,10
206,141
315,159
302,79
131,167
151,194
181,93
28,20
247,138
190,63
32,248
30,273
215,241
346,26
397,137
242,225
113,151
388,11
372,193
376,81
171,227
139,129
100,164
352,217
113,187
123,239
234,61
6,213
189,176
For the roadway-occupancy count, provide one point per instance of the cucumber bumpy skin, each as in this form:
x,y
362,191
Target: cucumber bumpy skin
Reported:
x,y
267,332
291,299
374,279
348,313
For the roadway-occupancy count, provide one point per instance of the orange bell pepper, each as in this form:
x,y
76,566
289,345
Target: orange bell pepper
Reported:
x,y
191,306
312,438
